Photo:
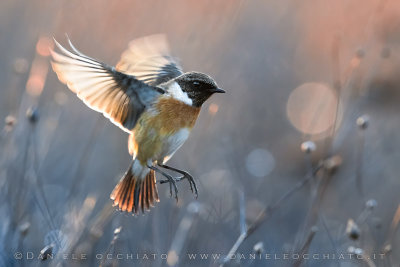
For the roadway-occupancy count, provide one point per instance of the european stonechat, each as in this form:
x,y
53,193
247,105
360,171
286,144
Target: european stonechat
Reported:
x,y
148,96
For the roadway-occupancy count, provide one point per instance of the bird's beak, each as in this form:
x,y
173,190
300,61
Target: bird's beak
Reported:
x,y
218,90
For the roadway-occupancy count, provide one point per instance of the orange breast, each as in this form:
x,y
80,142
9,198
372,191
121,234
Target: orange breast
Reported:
x,y
154,126
174,115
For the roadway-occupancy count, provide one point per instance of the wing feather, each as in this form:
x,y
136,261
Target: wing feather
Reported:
x,y
120,97
149,60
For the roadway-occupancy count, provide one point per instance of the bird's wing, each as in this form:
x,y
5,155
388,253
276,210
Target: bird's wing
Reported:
x,y
120,97
149,60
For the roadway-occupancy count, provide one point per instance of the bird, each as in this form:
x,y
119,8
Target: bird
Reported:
x,y
148,96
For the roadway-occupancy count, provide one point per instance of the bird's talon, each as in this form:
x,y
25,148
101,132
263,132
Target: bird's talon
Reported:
x,y
170,190
185,175
191,187
169,180
176,191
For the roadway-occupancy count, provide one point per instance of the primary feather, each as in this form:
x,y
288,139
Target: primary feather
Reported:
x,y
120,97
149,60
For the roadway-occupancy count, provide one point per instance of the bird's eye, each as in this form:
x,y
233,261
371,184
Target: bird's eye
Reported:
x,y
196,83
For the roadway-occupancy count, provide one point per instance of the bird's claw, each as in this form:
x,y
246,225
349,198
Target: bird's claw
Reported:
x,y
172,184
169,180
192,183
185,175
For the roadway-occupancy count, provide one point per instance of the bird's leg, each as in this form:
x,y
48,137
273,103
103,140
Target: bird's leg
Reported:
x,y
185,174
170,179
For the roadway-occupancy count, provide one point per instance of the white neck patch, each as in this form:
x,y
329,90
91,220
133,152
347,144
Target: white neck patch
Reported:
x,y
176,92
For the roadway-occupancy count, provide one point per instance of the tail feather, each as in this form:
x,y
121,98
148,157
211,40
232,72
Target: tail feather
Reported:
x,y
132,194
148,186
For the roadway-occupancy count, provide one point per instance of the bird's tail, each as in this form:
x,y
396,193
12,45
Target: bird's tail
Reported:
x,y
132,194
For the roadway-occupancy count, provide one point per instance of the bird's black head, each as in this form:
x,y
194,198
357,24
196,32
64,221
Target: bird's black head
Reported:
x,y
198,86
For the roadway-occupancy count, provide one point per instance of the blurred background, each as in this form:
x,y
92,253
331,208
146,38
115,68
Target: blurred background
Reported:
x,y
300,156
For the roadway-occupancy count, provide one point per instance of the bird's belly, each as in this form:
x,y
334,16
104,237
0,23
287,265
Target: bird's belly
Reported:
x,y
171,144
161,131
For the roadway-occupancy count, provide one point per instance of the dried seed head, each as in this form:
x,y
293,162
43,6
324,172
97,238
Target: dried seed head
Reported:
x,y
359,251
46,252
308,147
363,122
32,114
117,230
371,204
354,250
259,247
387,248
24,228
172,258
10,120
57,239
331,164
352,230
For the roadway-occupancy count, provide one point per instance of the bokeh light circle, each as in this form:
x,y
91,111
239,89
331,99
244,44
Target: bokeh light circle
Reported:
x,y
311,108
260,162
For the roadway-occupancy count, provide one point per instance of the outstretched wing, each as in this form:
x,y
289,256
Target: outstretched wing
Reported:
x,y
149,60
120,97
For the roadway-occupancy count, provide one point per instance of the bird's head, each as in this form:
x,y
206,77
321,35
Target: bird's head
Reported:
x,y
198,87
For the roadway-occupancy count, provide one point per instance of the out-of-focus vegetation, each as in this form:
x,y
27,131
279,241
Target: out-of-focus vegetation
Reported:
x,y
300,157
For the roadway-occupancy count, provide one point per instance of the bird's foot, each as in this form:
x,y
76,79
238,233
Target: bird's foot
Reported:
x,y
185,175
170,180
